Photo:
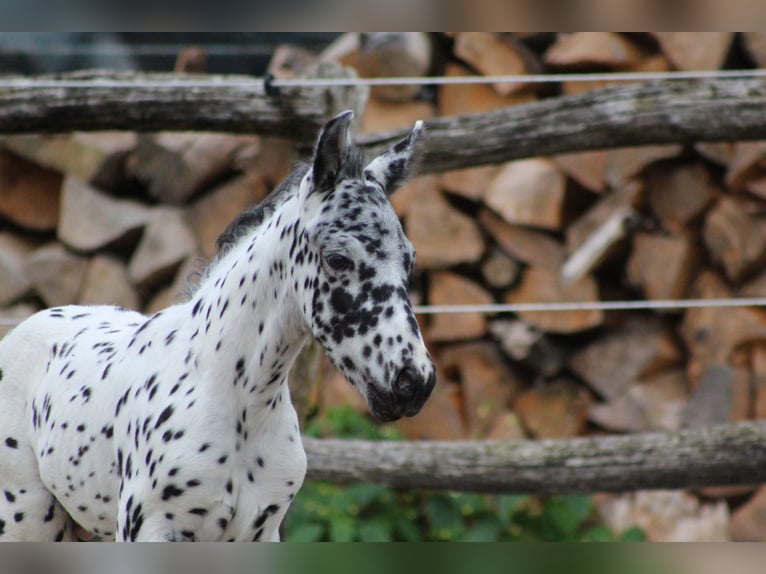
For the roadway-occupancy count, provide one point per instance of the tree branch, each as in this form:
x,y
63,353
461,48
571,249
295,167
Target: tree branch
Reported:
x,y
618,116
721,455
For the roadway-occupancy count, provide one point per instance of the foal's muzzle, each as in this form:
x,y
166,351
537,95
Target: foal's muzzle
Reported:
x,y
409,391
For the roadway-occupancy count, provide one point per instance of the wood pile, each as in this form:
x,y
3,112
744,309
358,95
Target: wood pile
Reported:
x,y
124,218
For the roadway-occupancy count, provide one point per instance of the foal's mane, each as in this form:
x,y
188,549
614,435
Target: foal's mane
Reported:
x,y
254,216
247,221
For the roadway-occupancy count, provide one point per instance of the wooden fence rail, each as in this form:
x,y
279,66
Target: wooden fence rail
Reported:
x,y
626,115
732,454
682,111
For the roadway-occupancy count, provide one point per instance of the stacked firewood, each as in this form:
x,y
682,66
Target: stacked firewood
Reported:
x,y
125,218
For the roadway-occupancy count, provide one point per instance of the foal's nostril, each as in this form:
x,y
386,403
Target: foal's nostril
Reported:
x,y
406,383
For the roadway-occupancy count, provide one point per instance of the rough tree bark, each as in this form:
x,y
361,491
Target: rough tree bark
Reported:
x,y
628,115
720,455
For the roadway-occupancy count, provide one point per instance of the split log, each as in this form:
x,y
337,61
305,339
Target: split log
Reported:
x,y
748,524
679,195
586,168
56,274
493,54
29,194
596,247
618,205
529,346
695,50
487,384
14,283
530,246
745,163
735,238
712,334
499,270
656,403
94,157
541,285
452,289
585,49
614,361
650,64
107,282
91,220
709,456
529,192
392,54
663,267
380,115
166,242
176,166
461,99
755,45
555,410
208,216
623,165
758,371
722,395
442,235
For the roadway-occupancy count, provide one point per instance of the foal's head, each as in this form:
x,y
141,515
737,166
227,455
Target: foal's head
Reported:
x,y
357,263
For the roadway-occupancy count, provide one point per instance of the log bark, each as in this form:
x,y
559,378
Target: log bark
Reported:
x,y
91,101
732,454
618,116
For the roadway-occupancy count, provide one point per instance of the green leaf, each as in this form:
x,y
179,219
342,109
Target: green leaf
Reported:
x,y
375,531
307,532
486,530
633,534
408,531
364,494
508,505
600,533
342,529
444,517
567,513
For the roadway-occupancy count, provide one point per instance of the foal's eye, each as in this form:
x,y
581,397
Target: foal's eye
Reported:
x,y
339,262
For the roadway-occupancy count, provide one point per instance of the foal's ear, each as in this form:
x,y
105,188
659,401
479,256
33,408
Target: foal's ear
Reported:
x,y
331,148
392,168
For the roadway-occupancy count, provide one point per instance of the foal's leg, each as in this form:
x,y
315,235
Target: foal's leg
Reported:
x,y
28,511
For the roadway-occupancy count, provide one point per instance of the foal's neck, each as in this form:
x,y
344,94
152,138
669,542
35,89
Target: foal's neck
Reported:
x,y
248,325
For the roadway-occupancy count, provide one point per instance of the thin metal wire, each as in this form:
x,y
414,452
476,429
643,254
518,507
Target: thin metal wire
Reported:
x,y
232,82
522,78
593,306
108,50
658,304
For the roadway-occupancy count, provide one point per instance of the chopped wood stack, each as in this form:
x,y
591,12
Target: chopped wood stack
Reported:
x,y
124,219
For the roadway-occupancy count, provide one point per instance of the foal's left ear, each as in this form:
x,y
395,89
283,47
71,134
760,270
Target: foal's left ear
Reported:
x,y
392,168
331,148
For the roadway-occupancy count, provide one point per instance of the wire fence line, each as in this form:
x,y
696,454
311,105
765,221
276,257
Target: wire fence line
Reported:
x,y
523,78
563,307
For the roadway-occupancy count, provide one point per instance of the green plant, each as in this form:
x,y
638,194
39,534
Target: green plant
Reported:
x,y
369,512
